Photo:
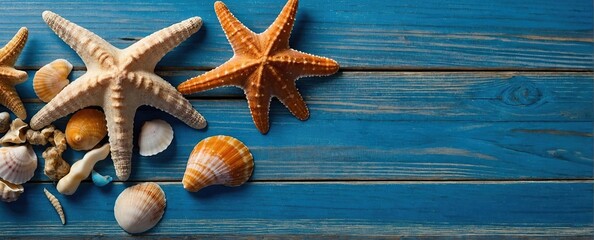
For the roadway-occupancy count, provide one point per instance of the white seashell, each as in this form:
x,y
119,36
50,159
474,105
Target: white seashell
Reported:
x,y
81,170
17,133
10,192
54,201
155,137
140,207
51,79
17,163
4,122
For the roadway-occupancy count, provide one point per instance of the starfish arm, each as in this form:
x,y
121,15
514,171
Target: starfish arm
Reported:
x,y
279,32
242,39
149,50
92,49
233,72
80,93
258,98
12,76
304,63
158,93
10,99
120,125
13,48
287,93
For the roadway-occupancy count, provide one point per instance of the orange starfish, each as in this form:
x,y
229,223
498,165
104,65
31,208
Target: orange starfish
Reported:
x,y
10,76
263,65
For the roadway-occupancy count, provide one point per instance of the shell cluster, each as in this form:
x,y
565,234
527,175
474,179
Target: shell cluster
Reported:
x,y
139,208
218,160
85,129
51,79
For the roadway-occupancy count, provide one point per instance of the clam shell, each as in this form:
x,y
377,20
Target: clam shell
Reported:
x,y
155,137
85,129
51,79
10,192
140,207
17,163
218,160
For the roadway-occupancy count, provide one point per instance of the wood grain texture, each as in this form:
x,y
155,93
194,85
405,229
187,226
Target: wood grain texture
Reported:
x,y
357,208
497,34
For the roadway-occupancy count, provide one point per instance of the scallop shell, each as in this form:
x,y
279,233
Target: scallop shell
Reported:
x,y
51,79
4,122
17,133
86,129
17,163
140,207
218,160
155,137
10,192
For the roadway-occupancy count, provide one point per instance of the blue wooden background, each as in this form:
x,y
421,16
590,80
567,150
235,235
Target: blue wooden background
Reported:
x,y
448,118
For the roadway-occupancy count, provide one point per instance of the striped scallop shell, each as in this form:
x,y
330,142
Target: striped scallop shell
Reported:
x,y
155,137
140,207
85,129
17,163
10,192
51,79
218,160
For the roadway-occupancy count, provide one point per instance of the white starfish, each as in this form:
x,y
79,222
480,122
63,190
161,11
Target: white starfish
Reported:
x,y
119,81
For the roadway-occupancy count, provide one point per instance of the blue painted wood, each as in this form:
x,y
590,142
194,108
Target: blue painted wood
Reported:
x,y
356,208
375,34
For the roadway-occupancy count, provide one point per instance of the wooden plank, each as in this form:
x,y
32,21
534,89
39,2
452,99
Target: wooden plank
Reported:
x,y
528,209
410,34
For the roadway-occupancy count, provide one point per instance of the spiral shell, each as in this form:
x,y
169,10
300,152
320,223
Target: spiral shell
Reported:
x,y
10,192
140,207
51,79
85,129
56,204
218,160
155,137
17,163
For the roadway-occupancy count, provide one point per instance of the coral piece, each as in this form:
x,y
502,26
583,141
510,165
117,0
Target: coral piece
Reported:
x,y
40,137
85,129
56,204
155,137
140,207
10,192
55,166
4,122
9,76
263,65
100,180
81,170
218,160
51,79
119,81
17,163
17,133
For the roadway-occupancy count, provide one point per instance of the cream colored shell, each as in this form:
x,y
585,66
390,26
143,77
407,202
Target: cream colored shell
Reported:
x,y
17,163
10,192
140,207
155,137
56,204
17,133
51,79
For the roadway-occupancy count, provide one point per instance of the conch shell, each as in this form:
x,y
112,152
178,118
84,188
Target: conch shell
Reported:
x,y
16,134
17,163
10,192
218,160
81,170
140,207
85,129
155,137
51,79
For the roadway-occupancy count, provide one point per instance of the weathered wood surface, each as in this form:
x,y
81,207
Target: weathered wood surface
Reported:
x,y
448,119
497,34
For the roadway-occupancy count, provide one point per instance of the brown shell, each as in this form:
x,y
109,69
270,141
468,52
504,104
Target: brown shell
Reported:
x,y
218,160
85,129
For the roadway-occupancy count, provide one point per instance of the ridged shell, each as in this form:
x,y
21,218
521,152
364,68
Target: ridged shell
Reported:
x,y
218,160
85,129
51,79
155,137
17,163
10,192
140,207
56,204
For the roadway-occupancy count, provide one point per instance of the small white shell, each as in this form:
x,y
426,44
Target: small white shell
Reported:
x,y
17,163
56,204
140,207
51,79
155,137
17,133
10,192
